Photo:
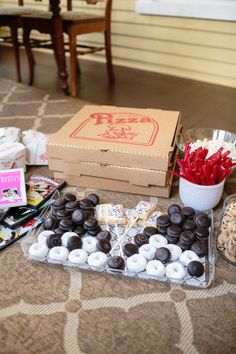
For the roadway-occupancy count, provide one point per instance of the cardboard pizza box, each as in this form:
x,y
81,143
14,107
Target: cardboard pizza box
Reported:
x,y
131,137
116,185
138,176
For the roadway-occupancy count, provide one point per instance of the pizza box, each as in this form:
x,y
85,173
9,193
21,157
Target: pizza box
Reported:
x,y
130,137
133,175
116,185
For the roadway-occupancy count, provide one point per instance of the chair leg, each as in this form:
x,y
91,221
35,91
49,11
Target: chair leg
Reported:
x,y
14,36
110,70
74,66
54,51
29,53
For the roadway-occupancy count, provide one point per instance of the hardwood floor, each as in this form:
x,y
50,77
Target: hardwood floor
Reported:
x,y
201,104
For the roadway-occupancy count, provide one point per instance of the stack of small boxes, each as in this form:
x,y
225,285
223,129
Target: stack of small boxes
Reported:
x,y
120,149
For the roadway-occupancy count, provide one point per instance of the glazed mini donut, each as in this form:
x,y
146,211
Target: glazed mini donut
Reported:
x,y
42,237
158,240
38,250
78,256
175,251
65,237
175,270
188,256
136,263
155,268
97,260
58,253
147,251
89,244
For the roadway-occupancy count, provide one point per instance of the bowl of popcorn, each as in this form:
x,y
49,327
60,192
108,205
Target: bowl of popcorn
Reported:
x,y
211,139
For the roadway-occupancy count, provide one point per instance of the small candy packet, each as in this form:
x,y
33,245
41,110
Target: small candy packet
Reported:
x,y
12,188
18,216
12,155
9,135
35,143
8,236
40,188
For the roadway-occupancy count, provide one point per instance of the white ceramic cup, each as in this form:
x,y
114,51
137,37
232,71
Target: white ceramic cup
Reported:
x,y
200,197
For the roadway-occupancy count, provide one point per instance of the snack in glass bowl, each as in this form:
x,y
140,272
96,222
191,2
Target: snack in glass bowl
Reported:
x,y
212,139
226,240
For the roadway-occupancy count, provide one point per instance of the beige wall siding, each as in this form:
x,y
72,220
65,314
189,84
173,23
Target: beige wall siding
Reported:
x,y
197,49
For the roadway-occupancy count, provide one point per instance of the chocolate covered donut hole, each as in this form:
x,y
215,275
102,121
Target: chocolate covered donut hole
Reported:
x,y
173,208
104,246
69,197
150,230
163,255
104,235
130,249
116,262
94,198
140,239
50,223
74,242
79,216
195,269
53,241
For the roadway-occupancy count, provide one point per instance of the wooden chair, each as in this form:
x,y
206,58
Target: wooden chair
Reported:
x,y
11,17
74,23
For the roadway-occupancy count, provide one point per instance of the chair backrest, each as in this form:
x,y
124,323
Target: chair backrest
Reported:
x,y
108,6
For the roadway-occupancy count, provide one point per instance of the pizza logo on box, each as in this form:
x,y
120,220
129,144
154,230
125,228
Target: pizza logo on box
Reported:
x,y
119,127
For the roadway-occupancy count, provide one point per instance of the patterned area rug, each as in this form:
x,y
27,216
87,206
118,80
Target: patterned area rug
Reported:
x,y
53,309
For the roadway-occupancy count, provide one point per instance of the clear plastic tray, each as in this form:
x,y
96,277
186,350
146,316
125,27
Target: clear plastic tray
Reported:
x,y
202,282
222,248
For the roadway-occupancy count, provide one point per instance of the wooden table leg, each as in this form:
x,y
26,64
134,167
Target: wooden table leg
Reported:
x,y
59,44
